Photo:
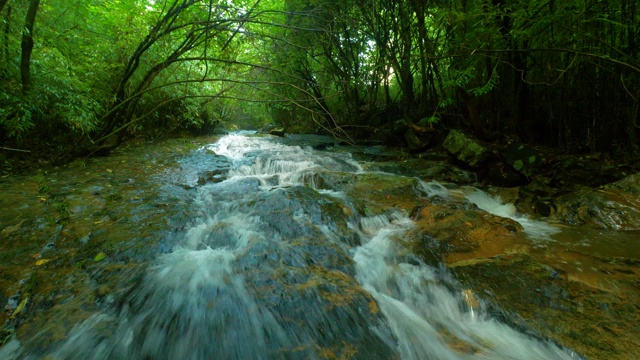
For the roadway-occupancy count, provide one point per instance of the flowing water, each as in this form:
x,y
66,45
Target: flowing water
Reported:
x,y
278,262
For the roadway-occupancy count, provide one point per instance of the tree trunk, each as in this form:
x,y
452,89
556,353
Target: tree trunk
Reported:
x,y
4,71
27,45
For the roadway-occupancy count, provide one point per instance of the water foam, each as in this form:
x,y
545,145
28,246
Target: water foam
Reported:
x,y
535,229
427,319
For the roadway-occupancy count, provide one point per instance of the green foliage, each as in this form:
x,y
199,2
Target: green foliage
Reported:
x,y
488,86
16,115
62,207
138,67
434,119
65,93
42,183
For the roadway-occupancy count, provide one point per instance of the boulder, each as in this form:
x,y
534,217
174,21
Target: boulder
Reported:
x,y
380,191
212,176
459,234
615,206
571,172
466,149
549,302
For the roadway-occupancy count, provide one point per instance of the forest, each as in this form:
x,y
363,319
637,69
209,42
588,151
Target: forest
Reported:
x,y
423,179
80,77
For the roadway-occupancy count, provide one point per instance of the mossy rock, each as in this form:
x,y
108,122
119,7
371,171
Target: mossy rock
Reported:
x,y
466,149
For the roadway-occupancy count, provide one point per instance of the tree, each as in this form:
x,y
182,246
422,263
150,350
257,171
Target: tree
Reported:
x,y
27,45
563,74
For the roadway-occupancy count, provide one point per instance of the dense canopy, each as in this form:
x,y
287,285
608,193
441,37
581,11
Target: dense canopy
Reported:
x,y
559,73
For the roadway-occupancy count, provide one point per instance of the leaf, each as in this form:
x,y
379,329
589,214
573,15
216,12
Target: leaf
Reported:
x,y
518,165
42,262
20,307
101,256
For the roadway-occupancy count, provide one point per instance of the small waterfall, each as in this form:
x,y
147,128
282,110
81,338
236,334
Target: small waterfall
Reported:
x,y
535,229
276,164
538,230
427,319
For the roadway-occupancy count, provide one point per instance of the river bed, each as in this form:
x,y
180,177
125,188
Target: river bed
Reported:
x,y
254,247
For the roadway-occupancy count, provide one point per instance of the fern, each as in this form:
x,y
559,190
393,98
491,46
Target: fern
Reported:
x,y
494,79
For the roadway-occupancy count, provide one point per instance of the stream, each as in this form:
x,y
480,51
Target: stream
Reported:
x,y
275,258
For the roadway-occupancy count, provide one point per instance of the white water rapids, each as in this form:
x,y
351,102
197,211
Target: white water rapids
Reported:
x,y
201,301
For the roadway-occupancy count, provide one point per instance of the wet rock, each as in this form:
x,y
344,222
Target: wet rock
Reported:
x,y
322,146
458,234
570,172
426,170
212,176
629,185
279,131
291,211
318,142
544,208
380,191
376,153
396,131
597,324
535,199
615,206
466,149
